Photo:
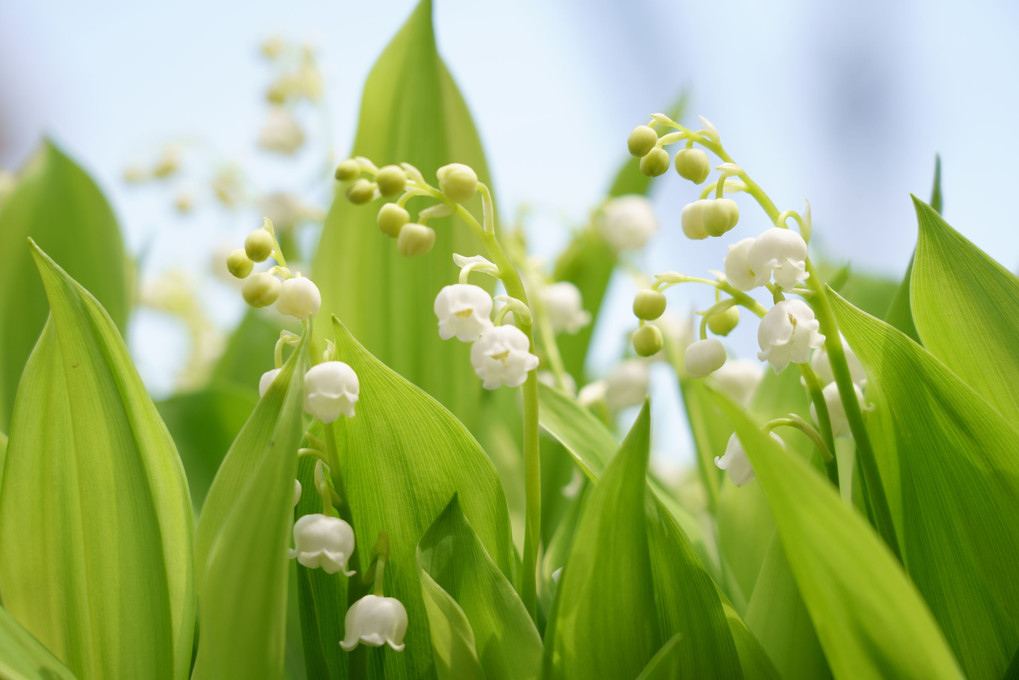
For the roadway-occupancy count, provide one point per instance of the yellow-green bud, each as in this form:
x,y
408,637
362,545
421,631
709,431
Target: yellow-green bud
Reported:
x,y
347,170
722,323
258,245
392,218
647,340
719,216
641,140
648,305
391,180
693,164
415,239
361,191
655,162
261,289
238,263
457,181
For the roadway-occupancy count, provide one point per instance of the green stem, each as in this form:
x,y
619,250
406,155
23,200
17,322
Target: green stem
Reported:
x,y
823,419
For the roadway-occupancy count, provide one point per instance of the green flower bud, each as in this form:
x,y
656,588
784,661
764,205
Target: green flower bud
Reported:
x,y
258,245
392,218
647,340
655,162
648,305
261,289
391,180
641,140
457,181
361,191
719,216
415,239
693,164
347,170
238,263
722,323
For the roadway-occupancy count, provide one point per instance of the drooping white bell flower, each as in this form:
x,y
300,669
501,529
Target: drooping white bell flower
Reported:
x,y
297,491
463,310
738,271
375,621
323,542
836,411
735,461
501,356
626,385
266,381
281,132
787,334
779,254
564,307
704,357
627,222
822,366
739,379
592,393
330,389
299,297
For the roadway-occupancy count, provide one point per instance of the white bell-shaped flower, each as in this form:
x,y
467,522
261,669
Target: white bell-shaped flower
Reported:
x,y
628,222
266,381
323,542
822,366
836,411
375,621
787,334
281,133
779,254
739,379
463,311
299,297
704,357
297,491
626,385
330,390
564,307
501,356
735,461
738,271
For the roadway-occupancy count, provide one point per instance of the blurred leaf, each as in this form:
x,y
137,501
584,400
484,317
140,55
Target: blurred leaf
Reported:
x,y
455,651
102,575
411,111
871,292
452,561
959,486
248,353
3,456
966,308
403,457
60,207
752,658
203,425
662,665
937,200
631,583
870,619
243,536
22,657
710,432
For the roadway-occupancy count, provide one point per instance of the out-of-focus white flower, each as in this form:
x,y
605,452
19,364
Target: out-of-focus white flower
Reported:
x,y
556,575
375,621
266,381
704,357
627,222
286,211
280,133
676,332
549,378
739,379
297,491
299,297
330,389
323,542
738,270
575,484
787,334
822,366
463,310
564,307
626,385
836,411
736,463
501,356
592,393
780,254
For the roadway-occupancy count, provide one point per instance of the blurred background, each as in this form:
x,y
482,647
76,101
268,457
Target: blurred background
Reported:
x,y
844,104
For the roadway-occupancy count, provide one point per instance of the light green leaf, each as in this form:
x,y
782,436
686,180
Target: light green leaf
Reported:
x,y
22,657
662,665
451,559
455,651
869,618
958,477
3,456
403,457
102,575
966,308
243,537
752,658
411,111
60,207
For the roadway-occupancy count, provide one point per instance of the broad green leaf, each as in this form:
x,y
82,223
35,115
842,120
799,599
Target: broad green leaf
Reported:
x,y
3,456
710,432
630,584
452,560
959,488
966,308
453,645
403,457
752,658
411,111
662,665
243,537
102,575
60,207
22,657
871,621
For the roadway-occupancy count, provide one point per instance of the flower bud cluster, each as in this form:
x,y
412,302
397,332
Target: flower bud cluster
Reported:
x,y
709,217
